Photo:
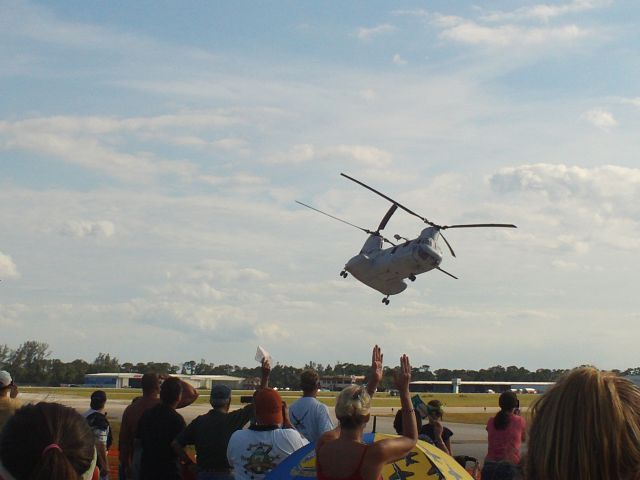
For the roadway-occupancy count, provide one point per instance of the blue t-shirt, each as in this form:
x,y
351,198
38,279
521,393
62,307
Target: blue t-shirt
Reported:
x,y
310,417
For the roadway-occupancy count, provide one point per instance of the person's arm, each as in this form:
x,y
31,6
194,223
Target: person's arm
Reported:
x,y
125,442
392,449
189,395
14,390
286,423
180,452
265,370
109,435
376,370
438,432
324,420
447,442
101,453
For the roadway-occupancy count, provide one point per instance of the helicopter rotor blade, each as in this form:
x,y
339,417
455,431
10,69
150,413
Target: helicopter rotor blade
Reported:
x,y
335,218
475,225
390,199
385,219
444,271
448,244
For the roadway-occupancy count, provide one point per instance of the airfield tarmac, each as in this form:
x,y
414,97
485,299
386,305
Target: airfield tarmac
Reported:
x,y
468,439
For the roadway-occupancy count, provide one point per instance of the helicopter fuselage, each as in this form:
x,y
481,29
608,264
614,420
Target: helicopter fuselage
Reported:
x,y
385,269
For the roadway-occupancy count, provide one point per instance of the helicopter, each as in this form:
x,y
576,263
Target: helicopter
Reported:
x,y
386,269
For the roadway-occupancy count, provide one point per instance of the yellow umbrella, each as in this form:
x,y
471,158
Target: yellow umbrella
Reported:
x,y
424,462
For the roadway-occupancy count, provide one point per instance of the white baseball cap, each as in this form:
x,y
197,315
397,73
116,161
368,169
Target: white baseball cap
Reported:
x,y
5,379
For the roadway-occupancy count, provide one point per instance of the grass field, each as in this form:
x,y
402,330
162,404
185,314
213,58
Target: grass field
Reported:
x,y
381,399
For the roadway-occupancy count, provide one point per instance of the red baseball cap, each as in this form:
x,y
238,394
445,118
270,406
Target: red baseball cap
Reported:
x,y
268,405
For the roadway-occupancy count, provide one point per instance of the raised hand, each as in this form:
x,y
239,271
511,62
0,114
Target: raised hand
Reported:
x,y
265,367
376,364
402,376
376,370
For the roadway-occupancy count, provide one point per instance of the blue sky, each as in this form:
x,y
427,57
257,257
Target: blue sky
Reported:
x,y
151,153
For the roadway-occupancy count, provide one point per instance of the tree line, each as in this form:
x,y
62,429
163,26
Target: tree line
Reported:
x,y
31,364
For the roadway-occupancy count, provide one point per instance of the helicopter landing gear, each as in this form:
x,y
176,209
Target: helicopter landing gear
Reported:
x,y
344,274
412,277
385,300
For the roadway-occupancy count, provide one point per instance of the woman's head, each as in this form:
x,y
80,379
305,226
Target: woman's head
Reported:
x,y
435,409
352,406
397,421
586,427
508,400
47,441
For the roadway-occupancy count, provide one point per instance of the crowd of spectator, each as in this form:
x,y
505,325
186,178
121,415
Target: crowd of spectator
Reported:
x,y
585,427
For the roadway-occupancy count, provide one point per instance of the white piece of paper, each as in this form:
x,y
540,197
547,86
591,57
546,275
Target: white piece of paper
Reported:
x,y
262,353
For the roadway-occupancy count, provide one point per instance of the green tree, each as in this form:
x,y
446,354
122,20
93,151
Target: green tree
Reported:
x,y
188,368
28,363
105,363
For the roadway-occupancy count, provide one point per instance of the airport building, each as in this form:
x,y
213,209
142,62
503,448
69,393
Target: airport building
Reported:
x,y
133,380
457,385
335,383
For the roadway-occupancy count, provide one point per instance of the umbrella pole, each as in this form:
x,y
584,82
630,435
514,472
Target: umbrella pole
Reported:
x,y
374,424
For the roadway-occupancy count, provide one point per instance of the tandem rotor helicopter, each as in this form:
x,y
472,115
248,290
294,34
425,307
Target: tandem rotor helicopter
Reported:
x,y
385,269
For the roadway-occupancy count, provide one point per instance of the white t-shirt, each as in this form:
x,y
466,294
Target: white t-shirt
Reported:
x,y
310,417
254,453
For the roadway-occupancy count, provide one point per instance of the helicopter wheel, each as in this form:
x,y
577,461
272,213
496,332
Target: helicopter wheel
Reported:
x,y
385,300
412,277
344,274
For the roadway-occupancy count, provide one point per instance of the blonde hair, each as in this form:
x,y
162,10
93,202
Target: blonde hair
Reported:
x,y
586,427
352,406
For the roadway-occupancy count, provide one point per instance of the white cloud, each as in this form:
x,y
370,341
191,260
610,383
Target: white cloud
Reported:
x,y
368,94
418,13
508,35
398,60
562,181
600,118
364,155
89,143
28,21
631,101
297,154
545,12
233,144
190,291
271,332
572,209
84,228
446,21
564,265
368,33
7,266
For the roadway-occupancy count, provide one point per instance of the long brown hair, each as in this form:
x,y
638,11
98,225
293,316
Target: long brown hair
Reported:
x,y
586,427
32,429
508,401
